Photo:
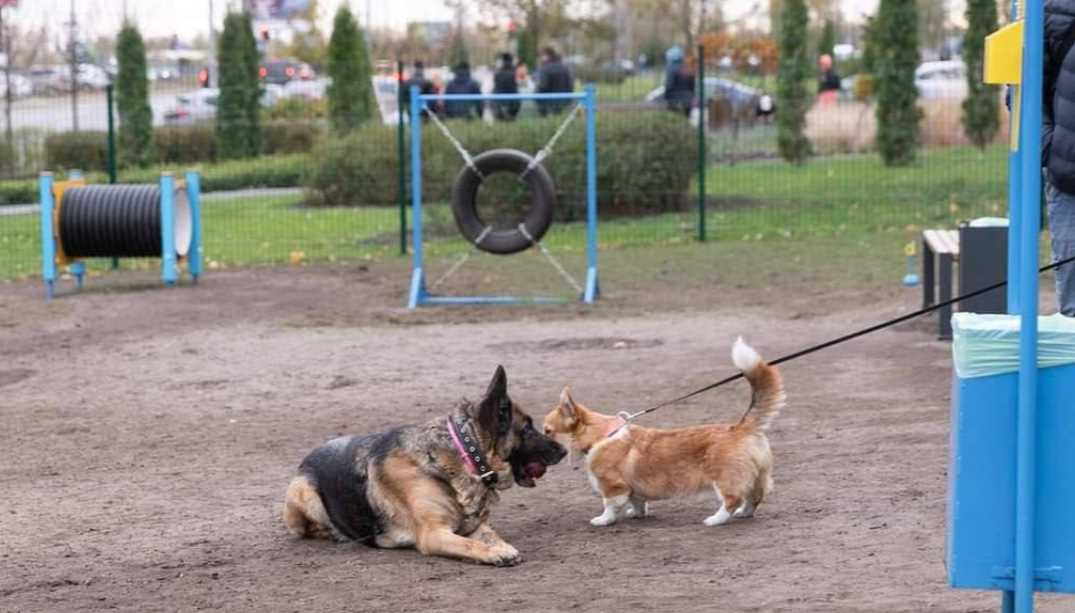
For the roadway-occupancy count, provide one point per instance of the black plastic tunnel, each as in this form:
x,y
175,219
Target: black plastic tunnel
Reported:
x,y
119,221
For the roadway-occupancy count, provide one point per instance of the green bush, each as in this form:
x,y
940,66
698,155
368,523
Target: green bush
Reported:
x,y
791,82
132,99
185,144
898,115
645,163
291,136
23,191
265,171
350,95
175,144
295,108
238,118
86,150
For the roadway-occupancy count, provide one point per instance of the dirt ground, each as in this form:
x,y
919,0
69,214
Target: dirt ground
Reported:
x,y
148,436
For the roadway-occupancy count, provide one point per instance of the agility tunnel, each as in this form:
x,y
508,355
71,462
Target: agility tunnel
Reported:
x,y
80,221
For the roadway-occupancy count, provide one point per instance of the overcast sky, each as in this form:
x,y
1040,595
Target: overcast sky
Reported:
x,y
188,18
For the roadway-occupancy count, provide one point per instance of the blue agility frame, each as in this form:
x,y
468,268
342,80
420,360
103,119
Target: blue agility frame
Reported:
x,y
1007,412
418,294
169,257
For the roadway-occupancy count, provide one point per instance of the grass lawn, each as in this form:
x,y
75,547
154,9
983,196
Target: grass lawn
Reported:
x,y
836,207
857,195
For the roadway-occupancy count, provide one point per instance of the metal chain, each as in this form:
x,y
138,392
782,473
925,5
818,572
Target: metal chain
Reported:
x,y
547,149
463,260
467,159
552,260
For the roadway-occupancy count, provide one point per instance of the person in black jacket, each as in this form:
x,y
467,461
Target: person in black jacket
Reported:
x,y
504,83
1058,143
678,83
554,77
462,83
425,87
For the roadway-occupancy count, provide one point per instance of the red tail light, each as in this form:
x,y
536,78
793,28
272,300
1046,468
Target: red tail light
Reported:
x,y
290,71
263,72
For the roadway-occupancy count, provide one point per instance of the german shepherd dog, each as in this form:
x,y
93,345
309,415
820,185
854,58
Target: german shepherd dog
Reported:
x,y
429,486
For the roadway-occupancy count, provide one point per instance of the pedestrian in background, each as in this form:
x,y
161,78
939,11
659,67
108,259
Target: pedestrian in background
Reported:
x,y
553,78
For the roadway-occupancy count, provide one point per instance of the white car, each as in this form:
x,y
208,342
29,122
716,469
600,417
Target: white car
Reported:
x,y
313,89
201,104
20,86
192,107
941,80
90,77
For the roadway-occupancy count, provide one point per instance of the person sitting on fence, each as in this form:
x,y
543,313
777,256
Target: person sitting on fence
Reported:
x,y
504,83
828,82
553,78
462,83
1058,143
678,83
425,87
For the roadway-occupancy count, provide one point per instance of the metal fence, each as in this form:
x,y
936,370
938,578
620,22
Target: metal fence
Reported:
x,y
707,171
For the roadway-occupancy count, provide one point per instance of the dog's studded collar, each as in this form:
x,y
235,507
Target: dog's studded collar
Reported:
x,y
471,452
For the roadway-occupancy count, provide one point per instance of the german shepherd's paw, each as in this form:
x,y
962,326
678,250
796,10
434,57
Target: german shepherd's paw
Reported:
x,y
504,555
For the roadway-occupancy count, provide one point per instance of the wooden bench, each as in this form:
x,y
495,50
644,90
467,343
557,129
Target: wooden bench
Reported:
x,y
945,245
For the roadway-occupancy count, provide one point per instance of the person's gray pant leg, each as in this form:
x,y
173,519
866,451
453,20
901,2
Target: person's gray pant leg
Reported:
x,y
1062,232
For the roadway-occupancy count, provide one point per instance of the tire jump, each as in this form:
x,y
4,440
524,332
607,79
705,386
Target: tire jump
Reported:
x,y
532,226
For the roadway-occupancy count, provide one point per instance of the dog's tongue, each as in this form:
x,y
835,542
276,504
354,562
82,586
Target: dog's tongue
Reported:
x,y
535,470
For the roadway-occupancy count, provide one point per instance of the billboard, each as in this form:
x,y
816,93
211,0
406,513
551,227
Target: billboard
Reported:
x,y
274,9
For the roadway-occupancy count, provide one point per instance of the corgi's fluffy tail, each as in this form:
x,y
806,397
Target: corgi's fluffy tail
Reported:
x,y
765,382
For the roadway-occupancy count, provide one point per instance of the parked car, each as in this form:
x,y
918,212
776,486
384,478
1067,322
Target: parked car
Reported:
x,y
313,89
280,72
20,86
47,80
201,104
198,105
744,99
941,80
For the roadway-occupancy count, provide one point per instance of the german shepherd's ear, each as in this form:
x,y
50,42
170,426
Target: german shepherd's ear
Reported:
x,y
492,416
568,409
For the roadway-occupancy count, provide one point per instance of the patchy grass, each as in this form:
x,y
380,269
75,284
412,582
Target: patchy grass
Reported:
x,y
832,212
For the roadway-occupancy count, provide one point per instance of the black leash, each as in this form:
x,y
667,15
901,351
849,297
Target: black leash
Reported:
x,y
842,339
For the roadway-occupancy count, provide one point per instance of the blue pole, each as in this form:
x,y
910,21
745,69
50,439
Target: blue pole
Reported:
x,y
1029,213
48,243
417,277
1014,189
168,256
592,287
195,253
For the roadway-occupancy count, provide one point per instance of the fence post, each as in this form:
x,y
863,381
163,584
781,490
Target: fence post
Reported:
x,y
109,100
701,142
400,156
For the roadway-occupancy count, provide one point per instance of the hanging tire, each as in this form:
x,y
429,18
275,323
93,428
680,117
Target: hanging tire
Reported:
x,y
538,218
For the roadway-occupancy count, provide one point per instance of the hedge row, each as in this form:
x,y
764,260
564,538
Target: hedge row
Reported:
x,y
644,165
267,171
176,144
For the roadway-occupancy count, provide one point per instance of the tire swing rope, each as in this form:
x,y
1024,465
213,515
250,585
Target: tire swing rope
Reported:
x,y
534,163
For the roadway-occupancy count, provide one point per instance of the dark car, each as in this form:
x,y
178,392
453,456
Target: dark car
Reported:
x,y
281,72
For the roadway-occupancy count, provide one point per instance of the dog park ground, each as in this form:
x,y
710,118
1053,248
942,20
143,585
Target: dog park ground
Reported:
x,y
148,436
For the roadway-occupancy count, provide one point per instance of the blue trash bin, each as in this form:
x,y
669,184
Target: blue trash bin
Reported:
x,y
981,506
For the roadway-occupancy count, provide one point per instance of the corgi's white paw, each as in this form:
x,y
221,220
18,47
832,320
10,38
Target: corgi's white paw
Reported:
x,y
719,518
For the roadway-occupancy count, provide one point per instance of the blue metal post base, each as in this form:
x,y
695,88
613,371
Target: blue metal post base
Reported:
x,y
418,289
195,252
79,270
169,272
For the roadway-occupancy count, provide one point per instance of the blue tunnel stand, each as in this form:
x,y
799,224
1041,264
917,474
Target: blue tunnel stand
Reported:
x,y
419,294
52,257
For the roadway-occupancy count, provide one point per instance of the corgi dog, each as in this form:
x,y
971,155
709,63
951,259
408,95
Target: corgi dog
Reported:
x,y
630,465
